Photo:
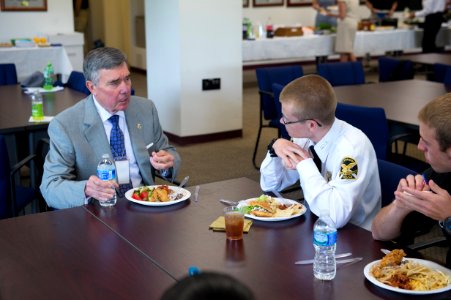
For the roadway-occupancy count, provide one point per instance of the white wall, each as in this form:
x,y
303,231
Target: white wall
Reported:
x,y
59,18
188,41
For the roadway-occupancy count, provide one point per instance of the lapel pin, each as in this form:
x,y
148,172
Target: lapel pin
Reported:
x,y
139,126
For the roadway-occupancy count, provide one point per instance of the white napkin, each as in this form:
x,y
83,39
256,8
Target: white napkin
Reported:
x,y
45,119
31,90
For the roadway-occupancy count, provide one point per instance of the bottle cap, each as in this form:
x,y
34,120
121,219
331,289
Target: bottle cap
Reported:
x,y
193,270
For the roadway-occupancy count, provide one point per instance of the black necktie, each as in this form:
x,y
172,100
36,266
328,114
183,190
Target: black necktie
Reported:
x,y
316,158
117,146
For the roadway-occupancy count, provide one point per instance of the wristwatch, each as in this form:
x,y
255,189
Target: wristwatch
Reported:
x,y
446,225
271,151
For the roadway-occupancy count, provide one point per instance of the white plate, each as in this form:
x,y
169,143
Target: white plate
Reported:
x,y
186,194
269,219
426,263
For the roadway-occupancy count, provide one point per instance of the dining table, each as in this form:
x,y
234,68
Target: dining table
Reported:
x,y
15,107
69,254
428,58
31,59
15,113
135,250
401,100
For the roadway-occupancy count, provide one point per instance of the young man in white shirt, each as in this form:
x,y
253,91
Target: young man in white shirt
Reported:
x,y
345,181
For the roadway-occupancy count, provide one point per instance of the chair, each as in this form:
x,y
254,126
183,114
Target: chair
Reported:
x,y
265,78
439,72
77,82
8,74
447,79
13,197
373,122
390,174
392,69
342,73
277,89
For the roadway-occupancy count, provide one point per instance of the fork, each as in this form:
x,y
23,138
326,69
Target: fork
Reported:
x,y
229,202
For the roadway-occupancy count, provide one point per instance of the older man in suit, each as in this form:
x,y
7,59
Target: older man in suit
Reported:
x,y
80,135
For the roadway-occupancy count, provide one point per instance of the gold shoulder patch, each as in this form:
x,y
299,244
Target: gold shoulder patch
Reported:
x,y
348,169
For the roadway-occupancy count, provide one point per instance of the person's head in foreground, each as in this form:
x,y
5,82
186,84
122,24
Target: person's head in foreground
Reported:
x,y
208,286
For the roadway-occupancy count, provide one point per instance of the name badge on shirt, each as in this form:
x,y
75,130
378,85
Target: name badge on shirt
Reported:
x,y
123,171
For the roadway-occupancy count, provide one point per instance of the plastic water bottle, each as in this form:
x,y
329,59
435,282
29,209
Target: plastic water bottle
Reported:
x,y
324,242
48,77
37,111
106,170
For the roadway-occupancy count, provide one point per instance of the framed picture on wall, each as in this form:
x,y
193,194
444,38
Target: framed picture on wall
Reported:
x,y
299,2
257,3
18,5
245,3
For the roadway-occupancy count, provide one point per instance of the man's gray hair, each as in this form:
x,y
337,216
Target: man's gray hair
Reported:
x,y
101,58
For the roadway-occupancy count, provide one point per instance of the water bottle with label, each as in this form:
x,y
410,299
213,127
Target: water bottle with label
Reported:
x,y
37,111
48,77
324,242
106,171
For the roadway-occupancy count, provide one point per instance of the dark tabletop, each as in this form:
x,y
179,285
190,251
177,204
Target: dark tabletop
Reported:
x,y
177,237
69,254
15,107
429,58
402,100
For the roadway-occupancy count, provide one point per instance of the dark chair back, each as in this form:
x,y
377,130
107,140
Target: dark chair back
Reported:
x,y
8,74
390,174
439,72
5,202
13,197
392,69
266,77
447,79
277,89
342,73
371,120
77,82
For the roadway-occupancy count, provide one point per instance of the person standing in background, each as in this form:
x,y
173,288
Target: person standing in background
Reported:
x,y
323,21
376,6
432,12
321,13
348,19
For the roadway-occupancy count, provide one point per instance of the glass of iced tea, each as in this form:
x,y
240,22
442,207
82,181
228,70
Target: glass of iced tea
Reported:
x,y
234,223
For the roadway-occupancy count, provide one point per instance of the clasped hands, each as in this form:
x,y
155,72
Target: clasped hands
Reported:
x,y
414,194
290,153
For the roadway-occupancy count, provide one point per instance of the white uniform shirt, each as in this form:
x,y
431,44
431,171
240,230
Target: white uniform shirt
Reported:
x,y
355,200
431,7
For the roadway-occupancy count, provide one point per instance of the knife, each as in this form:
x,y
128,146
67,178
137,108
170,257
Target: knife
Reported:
x,y
310,261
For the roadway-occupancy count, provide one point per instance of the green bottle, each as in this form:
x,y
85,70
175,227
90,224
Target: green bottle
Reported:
x,y
48,77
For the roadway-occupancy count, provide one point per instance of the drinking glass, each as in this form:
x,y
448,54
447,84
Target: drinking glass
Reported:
x,y
234,222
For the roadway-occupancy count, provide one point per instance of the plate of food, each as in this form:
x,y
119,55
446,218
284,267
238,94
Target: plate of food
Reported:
x,y
270,209
157,195
408,275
